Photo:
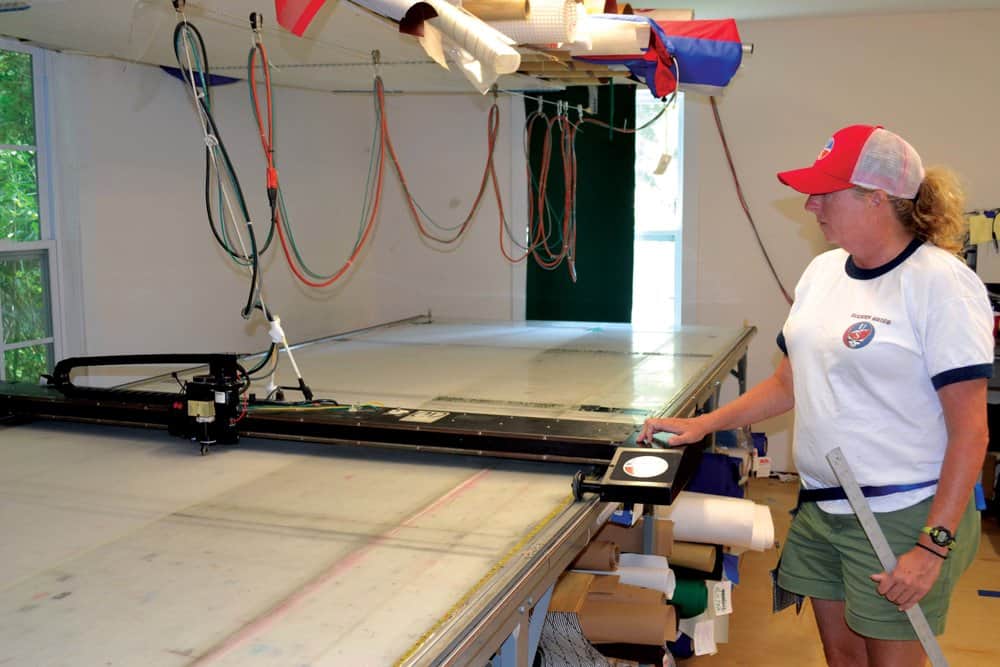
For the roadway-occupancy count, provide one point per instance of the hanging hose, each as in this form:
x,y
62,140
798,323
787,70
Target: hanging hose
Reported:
x,y
544,228
492,130
275,197
193,63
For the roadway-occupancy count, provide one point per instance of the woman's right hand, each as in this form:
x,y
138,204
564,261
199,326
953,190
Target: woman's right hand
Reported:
x,y
686,430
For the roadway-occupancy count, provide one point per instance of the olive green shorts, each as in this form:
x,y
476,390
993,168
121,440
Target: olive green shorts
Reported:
x,y
828,556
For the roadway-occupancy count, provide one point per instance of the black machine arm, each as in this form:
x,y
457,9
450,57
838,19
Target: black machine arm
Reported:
x,y
219,365
206,409
216,408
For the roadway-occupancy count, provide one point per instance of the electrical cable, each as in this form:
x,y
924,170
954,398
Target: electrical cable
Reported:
x,y
195,52
743,201
268,356
542,229
492,131
279,215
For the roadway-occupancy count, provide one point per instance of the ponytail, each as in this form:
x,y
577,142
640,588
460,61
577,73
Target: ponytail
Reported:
x,y
936,214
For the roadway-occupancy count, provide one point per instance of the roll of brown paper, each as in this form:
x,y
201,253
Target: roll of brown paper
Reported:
x,y
498,10
627,623
630,539
598,556
699,557
570,591
626,593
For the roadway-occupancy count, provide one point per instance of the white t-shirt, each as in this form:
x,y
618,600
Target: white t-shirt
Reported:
x,y
869,348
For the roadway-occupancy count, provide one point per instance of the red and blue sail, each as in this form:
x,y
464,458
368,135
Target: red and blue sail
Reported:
x,y
700,53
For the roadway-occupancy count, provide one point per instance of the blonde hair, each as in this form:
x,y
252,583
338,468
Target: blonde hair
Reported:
x,y
936,214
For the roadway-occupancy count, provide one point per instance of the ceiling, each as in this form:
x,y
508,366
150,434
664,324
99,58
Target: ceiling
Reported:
x,y
334,53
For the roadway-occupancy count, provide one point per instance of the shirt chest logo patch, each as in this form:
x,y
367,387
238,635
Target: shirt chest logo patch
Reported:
x,y
858,335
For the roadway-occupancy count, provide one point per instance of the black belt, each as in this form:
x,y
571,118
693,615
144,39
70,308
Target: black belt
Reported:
x,y
837,492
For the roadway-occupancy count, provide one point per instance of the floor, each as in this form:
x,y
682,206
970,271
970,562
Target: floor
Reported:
x,y
758,638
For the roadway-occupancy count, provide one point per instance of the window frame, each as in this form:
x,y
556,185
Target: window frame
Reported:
x,y
674,235
47,225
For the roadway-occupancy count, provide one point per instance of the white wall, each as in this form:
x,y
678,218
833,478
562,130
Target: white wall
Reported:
x,y
930,77
129,160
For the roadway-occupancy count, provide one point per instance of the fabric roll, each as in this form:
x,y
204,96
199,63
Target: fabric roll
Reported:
x,y
646,570
478,39
763,529
690,597
598,556
392,9
605,35
550,22
711,519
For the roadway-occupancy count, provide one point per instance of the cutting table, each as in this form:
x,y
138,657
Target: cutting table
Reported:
x,y
125,547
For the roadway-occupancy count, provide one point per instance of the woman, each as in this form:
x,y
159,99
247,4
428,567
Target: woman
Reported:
x,y
888,348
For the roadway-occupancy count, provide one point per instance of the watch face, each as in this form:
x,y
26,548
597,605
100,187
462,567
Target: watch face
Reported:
x,y
941,536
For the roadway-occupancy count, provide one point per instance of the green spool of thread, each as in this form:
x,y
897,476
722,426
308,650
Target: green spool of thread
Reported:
x,y
690,597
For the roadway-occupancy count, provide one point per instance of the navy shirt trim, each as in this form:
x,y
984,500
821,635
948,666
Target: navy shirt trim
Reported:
x,y
781,342
962,374
855,271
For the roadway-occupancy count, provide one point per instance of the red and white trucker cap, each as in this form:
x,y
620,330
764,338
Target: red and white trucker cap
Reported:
x,y
864,155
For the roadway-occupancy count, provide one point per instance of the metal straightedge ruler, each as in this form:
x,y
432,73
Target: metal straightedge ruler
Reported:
x,y
881,545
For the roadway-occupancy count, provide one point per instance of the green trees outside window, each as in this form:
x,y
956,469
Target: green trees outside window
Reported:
x,y
25,306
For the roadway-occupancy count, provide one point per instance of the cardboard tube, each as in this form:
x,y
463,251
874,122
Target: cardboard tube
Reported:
x,y
570,591
498,10
695,556
626,623
625,593
630,539
598,556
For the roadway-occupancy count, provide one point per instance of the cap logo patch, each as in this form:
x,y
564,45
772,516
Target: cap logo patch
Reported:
x,y
826,149
858,335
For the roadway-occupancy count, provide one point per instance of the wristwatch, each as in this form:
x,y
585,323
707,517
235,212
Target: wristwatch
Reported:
x,y
940,535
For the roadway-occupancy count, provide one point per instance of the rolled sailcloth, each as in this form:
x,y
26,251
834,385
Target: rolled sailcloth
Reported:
x,y
646,570
484,43
700,517
606,35
392,9
690,597
550,22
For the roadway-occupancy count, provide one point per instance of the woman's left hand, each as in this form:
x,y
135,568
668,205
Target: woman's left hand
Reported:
x,y
915,574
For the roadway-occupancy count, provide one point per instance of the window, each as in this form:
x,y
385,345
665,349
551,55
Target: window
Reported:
x,y
27,338
656,285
